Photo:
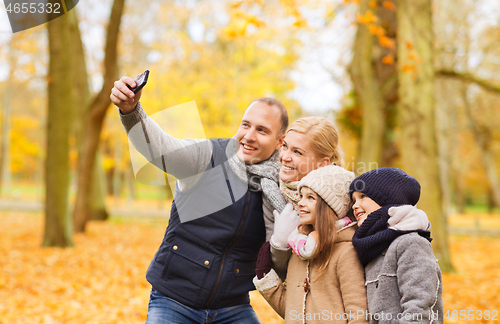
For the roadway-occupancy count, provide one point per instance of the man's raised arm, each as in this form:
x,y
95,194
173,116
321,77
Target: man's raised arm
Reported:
x,y
180,158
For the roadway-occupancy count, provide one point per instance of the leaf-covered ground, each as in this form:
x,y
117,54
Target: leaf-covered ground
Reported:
x,y
102,279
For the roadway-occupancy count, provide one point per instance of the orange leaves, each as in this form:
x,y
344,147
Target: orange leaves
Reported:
x,y
409,68
388,59
371,21
412,56
413,59
376,30
100,280
366,19
476,284
389,5
385,41
241,19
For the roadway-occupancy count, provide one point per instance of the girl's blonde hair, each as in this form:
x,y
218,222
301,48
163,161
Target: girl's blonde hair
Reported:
x,y
323,137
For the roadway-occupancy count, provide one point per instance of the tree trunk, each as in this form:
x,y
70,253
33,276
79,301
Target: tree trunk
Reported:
x,y
58,224
117,171
375,86
487,156
81,105
417,115
130,179
97,203
95,119
5,159
369,97
491,201
443,132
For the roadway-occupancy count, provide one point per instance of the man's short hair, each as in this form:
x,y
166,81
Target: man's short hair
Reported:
x,y
284,114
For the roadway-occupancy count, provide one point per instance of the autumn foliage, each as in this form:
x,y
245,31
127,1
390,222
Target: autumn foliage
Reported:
x,y
102,279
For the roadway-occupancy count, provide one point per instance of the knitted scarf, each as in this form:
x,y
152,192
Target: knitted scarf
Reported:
x,y
262,176
297,241
373,237
290,192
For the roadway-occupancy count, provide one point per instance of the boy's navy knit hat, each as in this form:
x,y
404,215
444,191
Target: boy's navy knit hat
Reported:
x,y
387,186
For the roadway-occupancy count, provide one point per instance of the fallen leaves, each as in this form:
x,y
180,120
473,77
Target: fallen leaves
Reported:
x,y
102,279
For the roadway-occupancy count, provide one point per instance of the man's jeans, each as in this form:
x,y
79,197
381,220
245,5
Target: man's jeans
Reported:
x,y
164,310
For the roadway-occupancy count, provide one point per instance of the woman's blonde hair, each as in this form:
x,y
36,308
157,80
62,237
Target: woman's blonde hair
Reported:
x,y
323,137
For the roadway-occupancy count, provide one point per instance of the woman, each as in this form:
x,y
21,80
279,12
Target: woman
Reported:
x,y
310,143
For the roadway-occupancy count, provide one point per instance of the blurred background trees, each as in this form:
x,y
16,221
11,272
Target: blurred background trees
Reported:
x,y
431,110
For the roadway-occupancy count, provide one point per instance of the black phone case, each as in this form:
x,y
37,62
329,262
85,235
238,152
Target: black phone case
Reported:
x,y
140,82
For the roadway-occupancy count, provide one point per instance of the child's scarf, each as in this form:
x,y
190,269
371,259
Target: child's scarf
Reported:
x,y
373,237
304,246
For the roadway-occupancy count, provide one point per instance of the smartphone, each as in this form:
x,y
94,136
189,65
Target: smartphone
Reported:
x,y
140,82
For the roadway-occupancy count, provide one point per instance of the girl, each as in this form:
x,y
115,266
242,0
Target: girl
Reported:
x,y
325,280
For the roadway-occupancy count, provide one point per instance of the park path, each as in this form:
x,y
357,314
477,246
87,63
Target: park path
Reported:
x,y
139,211
127,210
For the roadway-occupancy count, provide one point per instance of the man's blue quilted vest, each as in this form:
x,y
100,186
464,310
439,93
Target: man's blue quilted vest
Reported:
x,y
209,262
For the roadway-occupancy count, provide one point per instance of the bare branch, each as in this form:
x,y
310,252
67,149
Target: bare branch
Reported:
x,y
486,85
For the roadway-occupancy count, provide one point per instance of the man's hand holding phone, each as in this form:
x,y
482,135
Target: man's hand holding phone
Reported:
x,y
122,94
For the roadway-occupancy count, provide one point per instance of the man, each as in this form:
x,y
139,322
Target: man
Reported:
x,y
222,210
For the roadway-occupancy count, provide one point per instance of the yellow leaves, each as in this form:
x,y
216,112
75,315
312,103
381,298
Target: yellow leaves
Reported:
x,y
108,163
239,23
240,3
100,280
373,4
302,23
78,285
25,146
476,283
292,9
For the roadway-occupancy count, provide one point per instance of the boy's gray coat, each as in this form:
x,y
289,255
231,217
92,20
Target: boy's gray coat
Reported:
x,y
404,284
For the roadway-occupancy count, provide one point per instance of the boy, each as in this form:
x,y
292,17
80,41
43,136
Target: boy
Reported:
x,y
402,276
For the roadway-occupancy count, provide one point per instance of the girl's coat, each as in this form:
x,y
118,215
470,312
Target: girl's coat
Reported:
x,y
338,296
